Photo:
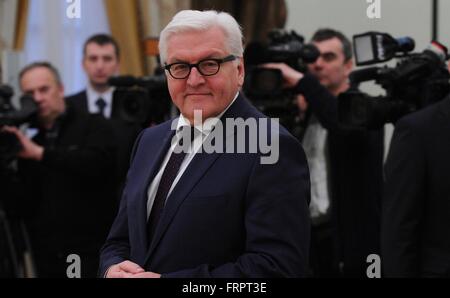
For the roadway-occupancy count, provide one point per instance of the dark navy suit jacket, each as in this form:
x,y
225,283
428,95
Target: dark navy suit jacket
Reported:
x,y
416,204
228,215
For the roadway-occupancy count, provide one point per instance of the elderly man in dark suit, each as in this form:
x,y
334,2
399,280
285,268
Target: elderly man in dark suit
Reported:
x,y
202,213
416,204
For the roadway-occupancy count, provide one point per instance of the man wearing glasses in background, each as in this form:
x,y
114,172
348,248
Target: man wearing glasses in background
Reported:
x,y
198,214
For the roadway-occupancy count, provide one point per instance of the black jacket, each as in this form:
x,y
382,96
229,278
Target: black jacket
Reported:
x,y
69,203
356,168
416,203
125,134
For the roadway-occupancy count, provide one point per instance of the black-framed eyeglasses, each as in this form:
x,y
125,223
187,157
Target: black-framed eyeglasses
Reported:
x,y
206,67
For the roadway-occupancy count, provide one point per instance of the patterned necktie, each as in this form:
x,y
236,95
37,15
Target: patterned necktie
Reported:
x,y
167,178
101,104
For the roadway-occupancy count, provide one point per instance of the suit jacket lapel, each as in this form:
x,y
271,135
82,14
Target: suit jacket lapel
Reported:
x,y
152,170
114,106
195,171
84,101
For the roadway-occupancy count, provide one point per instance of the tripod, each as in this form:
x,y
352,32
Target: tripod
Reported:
x,y
15,251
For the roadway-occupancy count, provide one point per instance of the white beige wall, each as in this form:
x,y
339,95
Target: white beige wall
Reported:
x,y
398,18
8,9
444,22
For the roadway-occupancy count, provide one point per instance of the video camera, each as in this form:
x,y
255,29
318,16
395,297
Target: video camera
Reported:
x,y
143,100
417,80
9,145
12,230
263,86
283,47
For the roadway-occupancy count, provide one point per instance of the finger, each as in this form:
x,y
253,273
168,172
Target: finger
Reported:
x,y
272,65
119,274
14,130
10,129
145,275
131,267
140,275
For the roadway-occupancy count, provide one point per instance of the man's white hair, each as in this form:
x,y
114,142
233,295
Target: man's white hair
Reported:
x,y
195,20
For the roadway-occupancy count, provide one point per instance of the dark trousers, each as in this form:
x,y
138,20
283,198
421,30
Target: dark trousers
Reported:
x,y
323,251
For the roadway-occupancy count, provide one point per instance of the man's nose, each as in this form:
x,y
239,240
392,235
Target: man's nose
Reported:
x,y
99,64
319,63
37,96
195,78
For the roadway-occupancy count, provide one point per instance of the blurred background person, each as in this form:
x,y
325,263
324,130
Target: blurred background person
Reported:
x,y
416,205
101,61
346,164
65,169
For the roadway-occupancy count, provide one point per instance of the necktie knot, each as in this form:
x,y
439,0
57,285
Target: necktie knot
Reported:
x,y
101,104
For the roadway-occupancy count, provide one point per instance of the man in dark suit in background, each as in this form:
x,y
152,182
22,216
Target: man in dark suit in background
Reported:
x,y
101,61
65,171
346,164
415,230
210,214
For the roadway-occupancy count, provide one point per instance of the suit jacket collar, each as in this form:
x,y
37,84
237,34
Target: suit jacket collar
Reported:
x,y
152,169
83,102
80,100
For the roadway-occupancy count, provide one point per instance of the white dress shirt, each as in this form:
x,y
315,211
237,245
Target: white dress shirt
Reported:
x,y
315,150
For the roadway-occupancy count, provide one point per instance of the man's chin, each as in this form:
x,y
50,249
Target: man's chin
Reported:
x,y
100,83
323,81
198,98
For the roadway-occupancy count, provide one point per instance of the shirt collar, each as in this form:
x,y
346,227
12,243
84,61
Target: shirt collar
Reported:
x,y
94,95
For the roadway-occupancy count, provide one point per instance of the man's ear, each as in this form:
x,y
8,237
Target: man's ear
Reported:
x,y
61,89
118,68
348,67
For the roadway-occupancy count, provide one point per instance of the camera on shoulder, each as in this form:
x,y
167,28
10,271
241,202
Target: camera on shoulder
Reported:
x,y
416,81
